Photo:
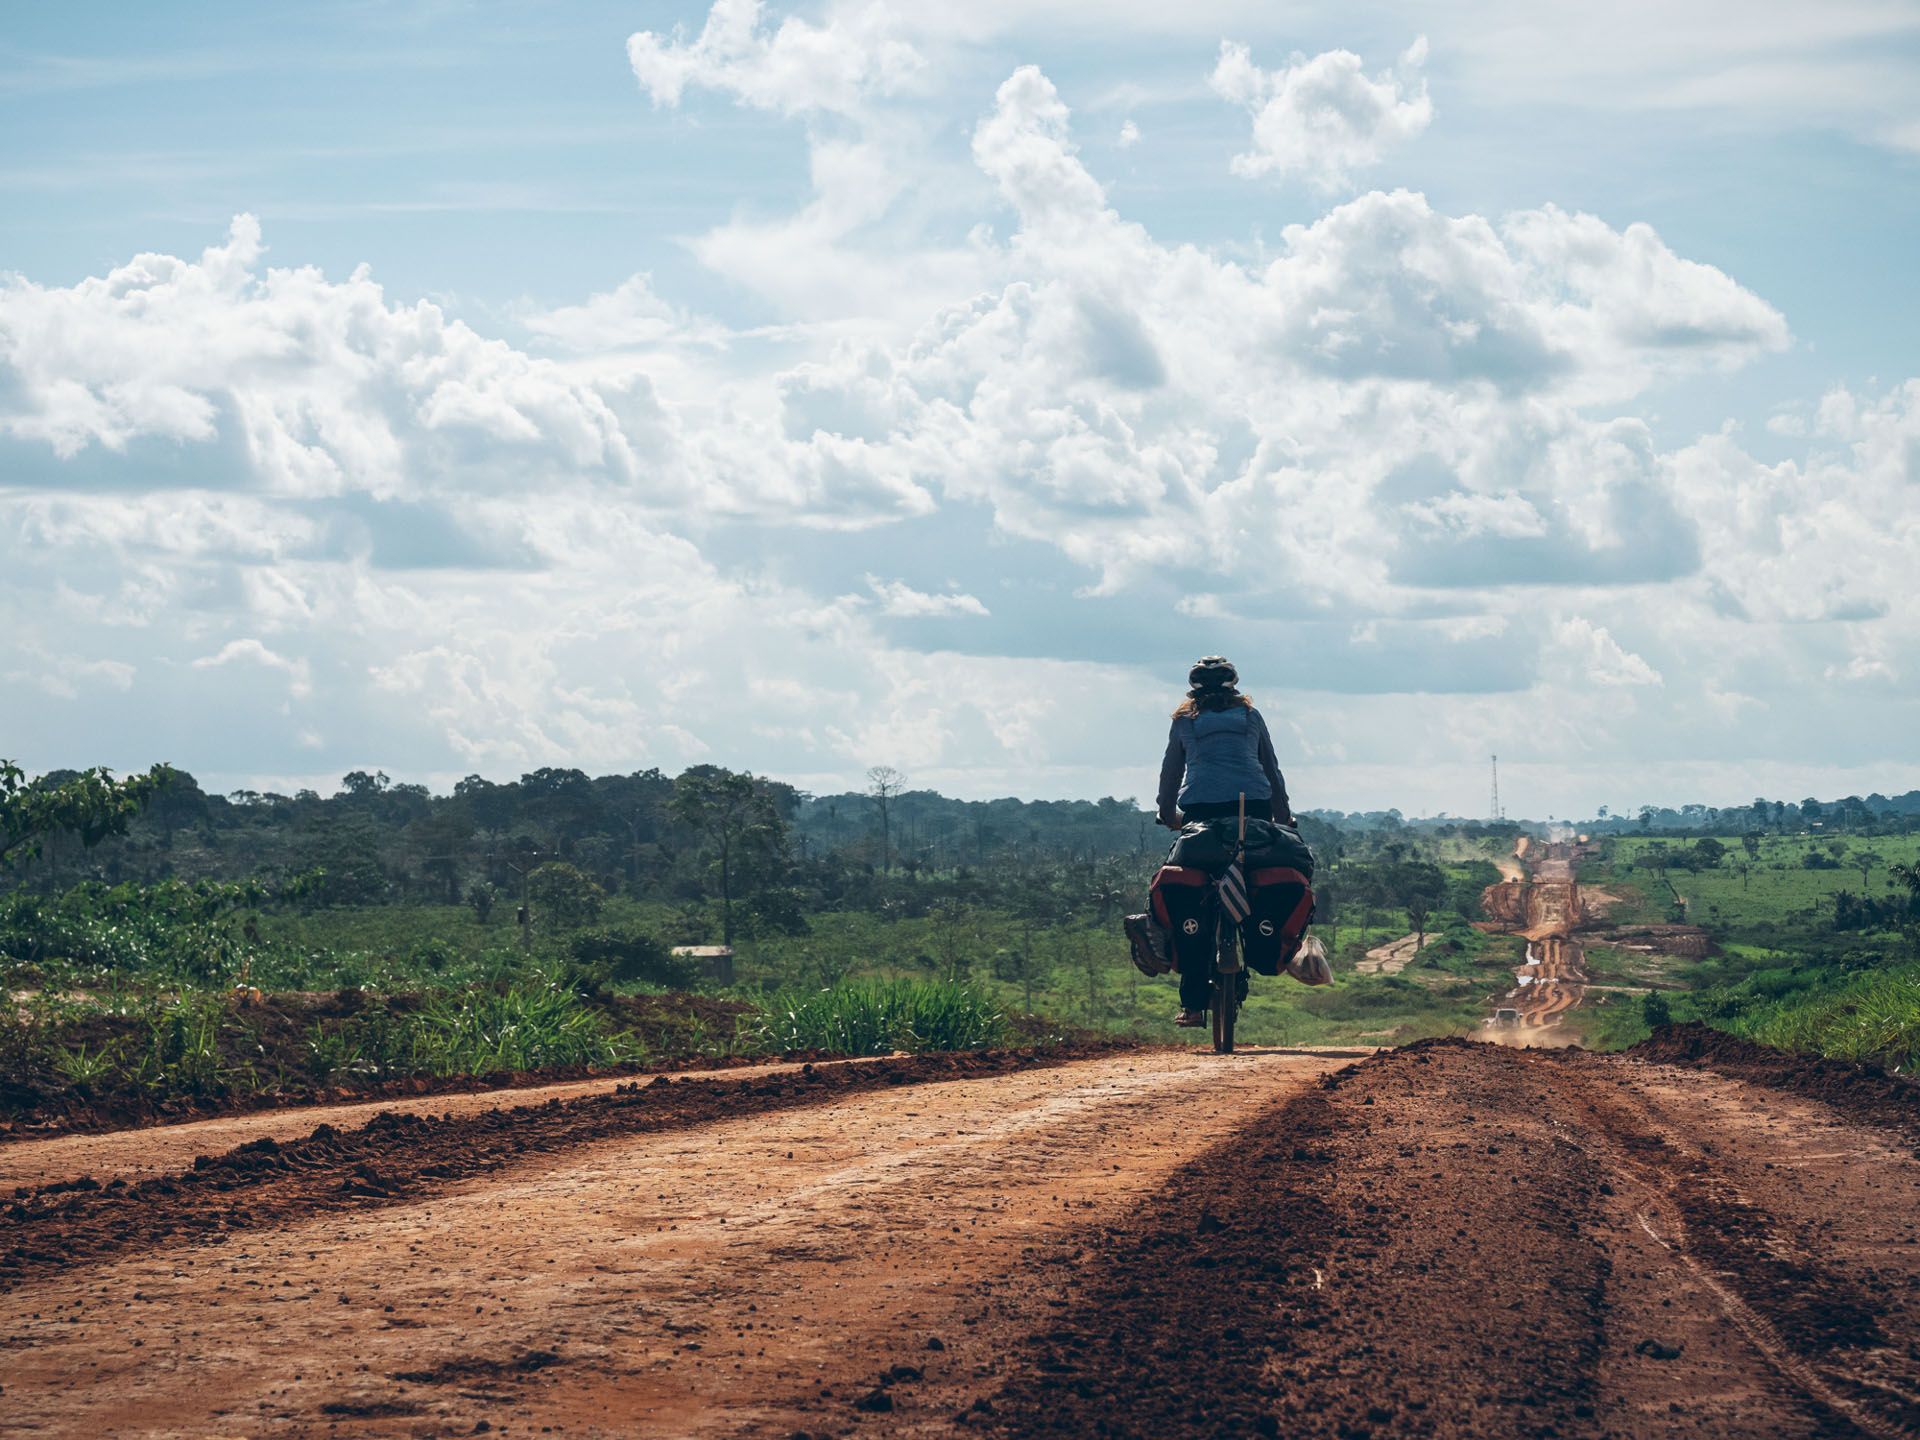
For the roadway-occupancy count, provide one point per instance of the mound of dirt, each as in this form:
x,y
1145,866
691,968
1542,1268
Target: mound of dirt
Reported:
x,y
1865,1092
1325,1253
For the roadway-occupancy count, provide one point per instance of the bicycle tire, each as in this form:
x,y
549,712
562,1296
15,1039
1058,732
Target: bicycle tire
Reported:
x,y
1226,1005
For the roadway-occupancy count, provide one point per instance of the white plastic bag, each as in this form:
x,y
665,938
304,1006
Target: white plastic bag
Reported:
x,y
1309,964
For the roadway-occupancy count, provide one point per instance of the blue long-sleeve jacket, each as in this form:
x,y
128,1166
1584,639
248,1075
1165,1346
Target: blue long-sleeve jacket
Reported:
x,y
1216,757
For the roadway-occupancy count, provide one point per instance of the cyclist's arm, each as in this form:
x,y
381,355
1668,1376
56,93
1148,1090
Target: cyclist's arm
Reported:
x,y
1270,762
1173,768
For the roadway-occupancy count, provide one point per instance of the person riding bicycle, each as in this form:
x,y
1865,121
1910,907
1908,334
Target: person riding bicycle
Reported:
x,y
1217,752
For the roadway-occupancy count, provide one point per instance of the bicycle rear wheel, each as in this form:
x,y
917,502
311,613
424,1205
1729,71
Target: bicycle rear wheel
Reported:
x,y
1226,1006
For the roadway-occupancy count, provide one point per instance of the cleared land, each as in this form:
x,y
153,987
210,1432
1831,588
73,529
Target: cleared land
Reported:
x,y
1446,1239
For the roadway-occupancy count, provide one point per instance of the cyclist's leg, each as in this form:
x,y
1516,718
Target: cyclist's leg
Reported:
x,y
1196,989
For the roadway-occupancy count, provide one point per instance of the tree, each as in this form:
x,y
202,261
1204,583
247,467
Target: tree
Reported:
x,y
492,806
1864,861
884,784
737,817
441,842
1909,876
1418,887
344,853
91,805
560,802
1022,966
563,897
953,934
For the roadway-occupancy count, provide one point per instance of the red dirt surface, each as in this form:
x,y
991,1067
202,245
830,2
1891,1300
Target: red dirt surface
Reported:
x,y
1865,1092
1450,1239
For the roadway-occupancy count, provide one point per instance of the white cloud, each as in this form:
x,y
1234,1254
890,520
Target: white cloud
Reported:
x,y
795,69
630,315
1320,119
1590,653
62,675
300,679
1842,64
901,599
1129,135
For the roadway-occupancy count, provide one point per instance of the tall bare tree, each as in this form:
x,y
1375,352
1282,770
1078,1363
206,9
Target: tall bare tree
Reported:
x,y
884,784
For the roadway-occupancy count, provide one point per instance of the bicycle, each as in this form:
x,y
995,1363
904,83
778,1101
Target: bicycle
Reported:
x,y
1228,971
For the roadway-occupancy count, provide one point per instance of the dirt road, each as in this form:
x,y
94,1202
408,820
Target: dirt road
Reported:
x,y
1544,904
1446,1239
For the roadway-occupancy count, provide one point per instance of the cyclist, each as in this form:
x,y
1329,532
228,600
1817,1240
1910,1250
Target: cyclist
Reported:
x,y
1217,751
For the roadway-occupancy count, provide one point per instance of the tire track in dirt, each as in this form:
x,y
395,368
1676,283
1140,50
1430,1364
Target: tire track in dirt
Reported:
x,y
1818,1328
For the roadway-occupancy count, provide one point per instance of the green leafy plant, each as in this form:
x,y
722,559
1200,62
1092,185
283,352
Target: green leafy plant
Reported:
x,y
87,1071
91,805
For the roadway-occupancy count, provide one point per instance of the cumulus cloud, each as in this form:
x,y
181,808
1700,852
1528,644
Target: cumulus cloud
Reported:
x,y
310,389
632,314
330,388
300,683
1322,118
61,676
1589,652
795,69
848,259
1140,405
899,598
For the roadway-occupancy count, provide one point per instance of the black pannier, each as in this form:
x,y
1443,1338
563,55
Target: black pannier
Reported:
x,y
1183,902
1280,907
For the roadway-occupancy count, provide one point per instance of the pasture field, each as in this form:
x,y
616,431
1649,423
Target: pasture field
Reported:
x,y
1774,887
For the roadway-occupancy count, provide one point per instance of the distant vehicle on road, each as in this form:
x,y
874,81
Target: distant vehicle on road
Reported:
x,y
1506,1015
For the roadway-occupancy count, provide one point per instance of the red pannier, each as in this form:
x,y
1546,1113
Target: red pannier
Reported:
x,y
1280,907
1182,900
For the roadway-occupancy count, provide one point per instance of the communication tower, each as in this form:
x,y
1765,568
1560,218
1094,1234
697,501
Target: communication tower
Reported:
x,y
1494,809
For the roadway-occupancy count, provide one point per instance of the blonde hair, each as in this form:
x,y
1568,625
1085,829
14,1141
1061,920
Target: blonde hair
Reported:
x,y
1200,702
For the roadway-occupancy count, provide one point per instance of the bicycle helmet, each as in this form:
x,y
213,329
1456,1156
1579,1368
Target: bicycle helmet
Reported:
x,y
1212,672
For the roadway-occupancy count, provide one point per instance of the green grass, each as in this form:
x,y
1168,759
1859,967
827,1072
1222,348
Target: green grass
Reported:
x,y
1776,888
1870,1017
877,1017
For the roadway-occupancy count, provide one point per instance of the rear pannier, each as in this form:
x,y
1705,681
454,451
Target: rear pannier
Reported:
x,y
1279,908
1183,902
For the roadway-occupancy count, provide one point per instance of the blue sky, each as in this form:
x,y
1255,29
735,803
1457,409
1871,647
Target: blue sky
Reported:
x,y
473,387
